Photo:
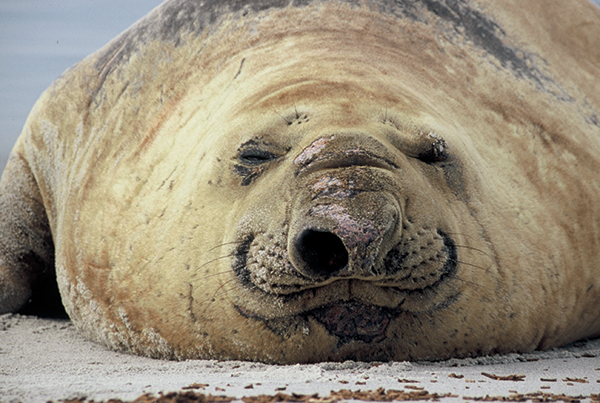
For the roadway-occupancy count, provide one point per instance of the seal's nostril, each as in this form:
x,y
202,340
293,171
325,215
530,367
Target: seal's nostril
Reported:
x,y
323,252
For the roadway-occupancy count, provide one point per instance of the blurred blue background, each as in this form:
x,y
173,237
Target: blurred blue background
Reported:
x,y
39,39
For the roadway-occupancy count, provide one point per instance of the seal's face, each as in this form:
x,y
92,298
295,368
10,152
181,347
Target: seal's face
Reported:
x,y
358,244
351,225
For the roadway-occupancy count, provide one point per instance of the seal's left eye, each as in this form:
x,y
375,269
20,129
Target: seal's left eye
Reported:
x,y
435,151
256,156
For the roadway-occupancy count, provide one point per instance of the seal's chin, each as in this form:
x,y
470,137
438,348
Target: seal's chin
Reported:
x,y
354,321
347,320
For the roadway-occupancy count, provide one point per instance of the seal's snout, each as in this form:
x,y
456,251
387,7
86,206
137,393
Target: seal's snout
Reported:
x,y
321,253
346,216
345,239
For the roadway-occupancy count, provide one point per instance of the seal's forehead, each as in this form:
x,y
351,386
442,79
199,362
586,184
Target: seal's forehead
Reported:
x,y
173,20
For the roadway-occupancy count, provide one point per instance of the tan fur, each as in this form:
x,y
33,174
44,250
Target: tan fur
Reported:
x,y
132,156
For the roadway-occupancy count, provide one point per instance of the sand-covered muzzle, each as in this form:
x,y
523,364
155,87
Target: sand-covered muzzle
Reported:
x,y
344,235
347,217
343,260
355,321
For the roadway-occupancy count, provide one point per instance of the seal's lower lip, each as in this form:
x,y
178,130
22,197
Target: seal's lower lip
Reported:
x,y
353,320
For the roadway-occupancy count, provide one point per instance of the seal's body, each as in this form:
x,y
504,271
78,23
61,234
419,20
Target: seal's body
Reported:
x,y
299,181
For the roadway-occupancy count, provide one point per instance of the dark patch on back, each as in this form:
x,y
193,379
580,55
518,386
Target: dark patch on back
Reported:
x,y
486,34
402,9
478,28
175,18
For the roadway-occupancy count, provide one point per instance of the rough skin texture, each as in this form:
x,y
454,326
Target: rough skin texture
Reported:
x,y
301,181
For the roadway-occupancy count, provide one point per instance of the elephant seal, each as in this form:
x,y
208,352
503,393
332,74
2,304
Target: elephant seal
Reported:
x,y
308,180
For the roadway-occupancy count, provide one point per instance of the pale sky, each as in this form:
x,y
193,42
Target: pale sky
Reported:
x,y
39,39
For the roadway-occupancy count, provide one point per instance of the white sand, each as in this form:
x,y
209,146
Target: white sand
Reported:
x,y
43,360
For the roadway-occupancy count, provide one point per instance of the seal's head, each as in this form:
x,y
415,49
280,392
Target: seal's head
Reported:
x,y
325,181
350,220
359,246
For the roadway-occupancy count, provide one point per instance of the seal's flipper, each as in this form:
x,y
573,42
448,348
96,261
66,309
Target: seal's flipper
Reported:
x,y
27,280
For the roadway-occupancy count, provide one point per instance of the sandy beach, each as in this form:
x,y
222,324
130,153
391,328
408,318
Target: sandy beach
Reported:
x,y
47,360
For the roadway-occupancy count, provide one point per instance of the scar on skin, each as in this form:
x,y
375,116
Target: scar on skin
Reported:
x,y
309,152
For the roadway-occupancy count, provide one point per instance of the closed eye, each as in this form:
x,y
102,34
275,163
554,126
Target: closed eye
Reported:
x,y
418,142
255,156
437,150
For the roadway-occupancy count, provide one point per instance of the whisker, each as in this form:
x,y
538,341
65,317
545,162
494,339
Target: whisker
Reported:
x,y
471,264
284,119
471,283
475,249
213,298
214,274
461,234
215,259
221,292
225,244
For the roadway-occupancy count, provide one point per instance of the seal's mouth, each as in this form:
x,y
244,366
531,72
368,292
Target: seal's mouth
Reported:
x,y
353,320
347,320
350,308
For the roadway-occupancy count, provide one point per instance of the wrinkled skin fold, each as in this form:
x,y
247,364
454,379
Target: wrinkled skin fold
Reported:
x,y
319,180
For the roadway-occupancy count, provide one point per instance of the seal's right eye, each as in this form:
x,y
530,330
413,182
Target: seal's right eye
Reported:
x,y
255,156
435,149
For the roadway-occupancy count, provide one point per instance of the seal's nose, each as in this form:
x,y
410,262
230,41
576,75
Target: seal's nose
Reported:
x,y
323,253
346,216
345,239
